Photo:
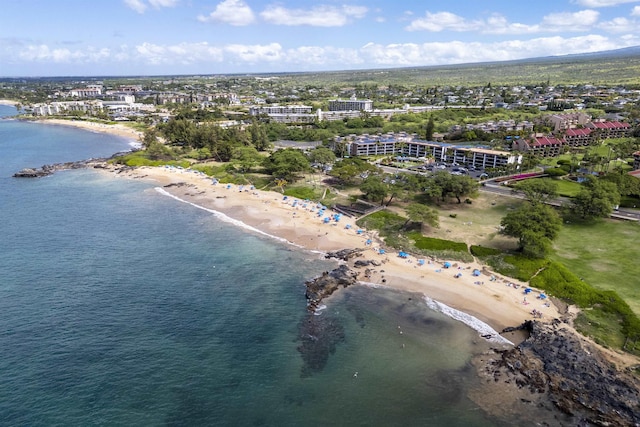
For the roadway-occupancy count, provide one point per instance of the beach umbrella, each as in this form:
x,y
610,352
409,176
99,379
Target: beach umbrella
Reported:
x,y
381,251
476,272
528,290
420,262
447,264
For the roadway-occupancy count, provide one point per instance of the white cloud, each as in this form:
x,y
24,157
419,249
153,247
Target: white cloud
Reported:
x,y
316,56
440,21
602,3
183,53
140,6
498,24
255,53
44,53
163,3
620,25
202,56
635,11
232,12
318,16
137,5
567,21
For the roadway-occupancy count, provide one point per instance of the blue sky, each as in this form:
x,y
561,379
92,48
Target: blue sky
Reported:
x,y
151,37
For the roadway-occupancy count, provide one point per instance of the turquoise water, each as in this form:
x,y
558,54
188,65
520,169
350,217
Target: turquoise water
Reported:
x,y
121,306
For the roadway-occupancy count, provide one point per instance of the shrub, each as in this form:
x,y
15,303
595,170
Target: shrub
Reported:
x,y
481,251
431,243
555,172
520,267
301,193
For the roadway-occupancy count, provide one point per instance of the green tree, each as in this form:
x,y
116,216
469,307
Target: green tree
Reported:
x,y
457,186
247,157
259,138
349,170
373,188
322,156
423,214
534,225
596,199
286,163
429,129
537,190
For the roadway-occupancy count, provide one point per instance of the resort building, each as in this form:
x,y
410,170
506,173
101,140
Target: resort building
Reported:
x,y
581,137
636,160
285,113
352,104
605,130
568,121
406,145
543,146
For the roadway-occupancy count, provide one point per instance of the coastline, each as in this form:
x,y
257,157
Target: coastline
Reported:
x,y
118,130
499,303
8,102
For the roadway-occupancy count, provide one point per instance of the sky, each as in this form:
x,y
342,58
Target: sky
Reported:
x,y
40,38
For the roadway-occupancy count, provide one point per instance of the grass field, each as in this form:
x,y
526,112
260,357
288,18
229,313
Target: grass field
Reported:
x,y
566,188
605,255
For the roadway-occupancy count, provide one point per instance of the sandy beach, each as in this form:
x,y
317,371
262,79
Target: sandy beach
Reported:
x,y
117,129
495,300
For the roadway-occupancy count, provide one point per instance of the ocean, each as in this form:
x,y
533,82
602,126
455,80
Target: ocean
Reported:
x,y
122,306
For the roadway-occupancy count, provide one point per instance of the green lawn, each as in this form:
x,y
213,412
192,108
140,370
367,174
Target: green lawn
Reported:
x,y
606,255
566,188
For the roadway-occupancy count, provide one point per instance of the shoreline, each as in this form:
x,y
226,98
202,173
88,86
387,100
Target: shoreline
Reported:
x,y
119,130
500,303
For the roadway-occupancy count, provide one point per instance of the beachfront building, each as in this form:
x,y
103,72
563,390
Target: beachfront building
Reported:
x,y
91,91
407,145
285,113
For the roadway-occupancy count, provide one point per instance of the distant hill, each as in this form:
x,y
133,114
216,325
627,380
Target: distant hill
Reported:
x,y
619,66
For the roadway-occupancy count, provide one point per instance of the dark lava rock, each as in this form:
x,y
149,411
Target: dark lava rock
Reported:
x,y
344,254
366,262
327,284
578,379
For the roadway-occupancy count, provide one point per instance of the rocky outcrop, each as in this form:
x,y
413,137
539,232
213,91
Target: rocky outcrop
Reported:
x,y
573,374
328,283
55,167
319,335
344,254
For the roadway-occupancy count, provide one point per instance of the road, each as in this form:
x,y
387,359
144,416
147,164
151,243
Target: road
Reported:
x,y
491,187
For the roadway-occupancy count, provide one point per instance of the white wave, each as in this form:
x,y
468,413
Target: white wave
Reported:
x,y
474,323
227,219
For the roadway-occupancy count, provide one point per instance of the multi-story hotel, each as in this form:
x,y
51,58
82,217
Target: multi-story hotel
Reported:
x,y
406,145
351,104
286,113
